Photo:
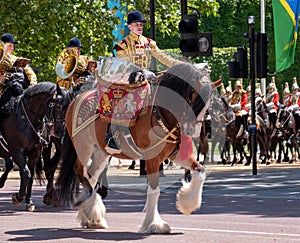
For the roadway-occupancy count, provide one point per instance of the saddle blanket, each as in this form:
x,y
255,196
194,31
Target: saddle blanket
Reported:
x,y
121,104
85,111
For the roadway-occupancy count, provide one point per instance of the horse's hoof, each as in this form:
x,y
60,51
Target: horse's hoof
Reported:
x,y
131,167
30,207
47,201
2,183
15,200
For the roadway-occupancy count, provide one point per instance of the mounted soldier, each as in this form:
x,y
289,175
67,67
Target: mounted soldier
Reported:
x,y
238,103
72,68
13,68
272,98
138,50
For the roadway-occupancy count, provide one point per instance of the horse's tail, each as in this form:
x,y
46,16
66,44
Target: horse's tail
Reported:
x,y
39,175
66,181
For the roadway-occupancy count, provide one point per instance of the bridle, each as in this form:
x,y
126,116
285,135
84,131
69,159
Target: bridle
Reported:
x,y
38,130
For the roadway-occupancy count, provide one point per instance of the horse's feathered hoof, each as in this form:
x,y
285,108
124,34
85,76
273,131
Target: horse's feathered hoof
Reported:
x,y
91,212
162,228
189,197
30,207
15,200
94,225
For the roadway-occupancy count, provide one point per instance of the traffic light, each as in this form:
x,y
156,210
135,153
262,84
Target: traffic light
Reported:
x,y
238,66
242,60
193,43
261,50
233,67
188,27
205,44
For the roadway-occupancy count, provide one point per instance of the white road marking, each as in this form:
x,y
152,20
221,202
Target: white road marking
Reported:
x,y
238,231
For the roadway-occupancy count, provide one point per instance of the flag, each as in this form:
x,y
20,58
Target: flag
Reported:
x,y
285,14
121,29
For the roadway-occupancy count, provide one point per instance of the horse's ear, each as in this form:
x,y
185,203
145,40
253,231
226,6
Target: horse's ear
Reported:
x,y
217,83
58,89
71,92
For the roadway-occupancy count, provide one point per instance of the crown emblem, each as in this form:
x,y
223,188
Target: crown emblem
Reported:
x,y
118,94
143,94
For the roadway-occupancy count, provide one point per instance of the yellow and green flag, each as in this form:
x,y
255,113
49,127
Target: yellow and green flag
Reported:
x,y
285,14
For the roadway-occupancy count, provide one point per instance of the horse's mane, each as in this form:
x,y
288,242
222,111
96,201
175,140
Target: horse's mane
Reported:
x,y
42,87
224,102
181,78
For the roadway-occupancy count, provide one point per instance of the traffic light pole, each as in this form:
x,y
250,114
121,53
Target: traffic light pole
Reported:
x,y
152,31
252,126
183,7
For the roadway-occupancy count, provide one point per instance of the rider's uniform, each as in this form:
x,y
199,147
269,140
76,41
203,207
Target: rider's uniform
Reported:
x,y
273,97
8,65
240,97
138,49
75,78
294,99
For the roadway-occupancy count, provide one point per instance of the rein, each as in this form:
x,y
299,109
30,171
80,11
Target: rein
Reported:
x,y
163,126
27,119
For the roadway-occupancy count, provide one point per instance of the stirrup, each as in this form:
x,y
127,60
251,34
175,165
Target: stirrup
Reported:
x,y
111,146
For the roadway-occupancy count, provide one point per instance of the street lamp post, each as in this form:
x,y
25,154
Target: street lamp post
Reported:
x,y
252,126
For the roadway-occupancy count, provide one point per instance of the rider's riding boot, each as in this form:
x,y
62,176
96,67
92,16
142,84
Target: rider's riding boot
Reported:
x,y
109,139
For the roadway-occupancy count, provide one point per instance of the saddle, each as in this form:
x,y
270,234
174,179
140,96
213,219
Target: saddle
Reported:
x,y
123,103
117,103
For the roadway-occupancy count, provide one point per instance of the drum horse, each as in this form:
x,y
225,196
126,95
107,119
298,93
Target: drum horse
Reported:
x,y
178,104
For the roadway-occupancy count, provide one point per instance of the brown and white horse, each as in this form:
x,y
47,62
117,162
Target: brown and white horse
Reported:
x,y
180,98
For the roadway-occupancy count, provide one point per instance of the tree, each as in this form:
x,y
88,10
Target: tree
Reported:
x,y
47,25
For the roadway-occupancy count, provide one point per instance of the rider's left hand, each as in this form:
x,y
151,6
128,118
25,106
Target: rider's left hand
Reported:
x,y
148,74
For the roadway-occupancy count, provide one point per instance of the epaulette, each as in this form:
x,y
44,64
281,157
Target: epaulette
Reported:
x,y
121,45
152,43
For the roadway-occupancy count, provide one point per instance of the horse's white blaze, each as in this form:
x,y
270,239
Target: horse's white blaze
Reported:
x,y
91,212
153,223
189,197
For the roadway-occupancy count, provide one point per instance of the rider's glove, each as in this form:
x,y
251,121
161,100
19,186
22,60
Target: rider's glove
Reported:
x,y
148,74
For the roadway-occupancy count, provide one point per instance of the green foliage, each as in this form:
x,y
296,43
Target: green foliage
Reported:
x,y
44,28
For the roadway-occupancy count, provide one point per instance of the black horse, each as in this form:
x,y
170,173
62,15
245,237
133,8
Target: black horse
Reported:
x,y
54,133
21,126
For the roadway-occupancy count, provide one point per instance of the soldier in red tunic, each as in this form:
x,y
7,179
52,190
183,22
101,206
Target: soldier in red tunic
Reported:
x,y
272,97
238,103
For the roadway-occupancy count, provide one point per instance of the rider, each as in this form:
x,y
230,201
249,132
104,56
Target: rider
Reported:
x,y
272,97
294,104
138,49
77,77
238,103
9,42
294,101
286,94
